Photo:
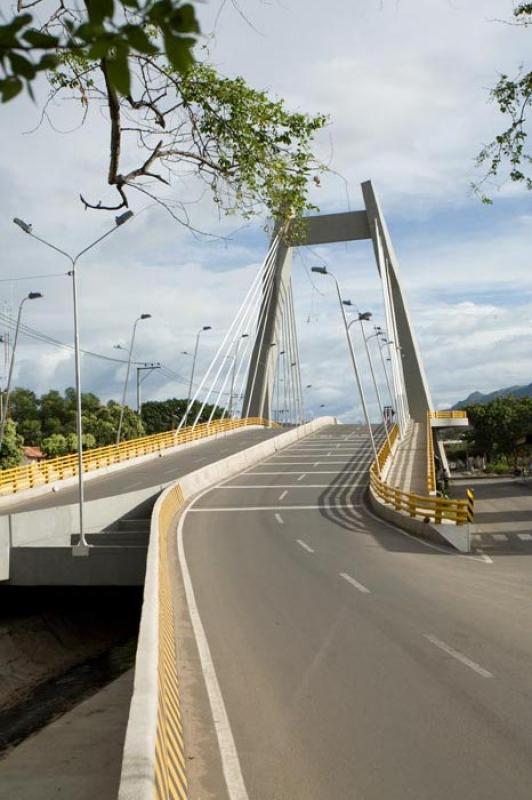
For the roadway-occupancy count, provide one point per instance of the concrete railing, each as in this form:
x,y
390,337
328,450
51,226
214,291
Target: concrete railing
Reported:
x,y
30,476
153,765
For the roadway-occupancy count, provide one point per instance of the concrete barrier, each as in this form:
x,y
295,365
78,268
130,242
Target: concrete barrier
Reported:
x,y
142,776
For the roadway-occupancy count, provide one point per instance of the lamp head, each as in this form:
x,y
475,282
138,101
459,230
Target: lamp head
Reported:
x,y
145,316
123,218
25,226
365,316
245,336
319,270
347,303
34,295
207,328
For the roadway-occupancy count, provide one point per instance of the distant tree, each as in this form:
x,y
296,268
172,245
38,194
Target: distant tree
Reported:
x,y
164,415
12,450
498,426
24,410
54,445
71,439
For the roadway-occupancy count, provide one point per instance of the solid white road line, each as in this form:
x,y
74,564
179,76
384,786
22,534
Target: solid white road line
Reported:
x,y
314,472
459,656
304,545
324,507
353,582
234,779
282,495
279,519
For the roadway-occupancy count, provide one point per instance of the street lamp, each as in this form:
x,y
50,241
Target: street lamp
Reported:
x,y
366,317
82,547
324,271
233,376
189,405
124,393
30,296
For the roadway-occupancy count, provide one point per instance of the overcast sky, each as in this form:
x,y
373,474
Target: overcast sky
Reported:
x,y
405,84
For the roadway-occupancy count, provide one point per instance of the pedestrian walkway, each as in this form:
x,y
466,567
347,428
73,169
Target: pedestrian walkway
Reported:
x,y
408,470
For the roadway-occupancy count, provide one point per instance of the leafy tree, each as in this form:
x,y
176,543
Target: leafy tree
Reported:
x,y
132,59
24,410
12,450
106,30
71,440
164,415
54,445
509,148
498,426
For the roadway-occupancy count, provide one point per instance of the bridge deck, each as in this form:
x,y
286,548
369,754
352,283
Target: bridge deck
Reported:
x,y
151,473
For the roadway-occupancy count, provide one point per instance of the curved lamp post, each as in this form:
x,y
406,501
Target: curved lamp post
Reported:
x,y
324,271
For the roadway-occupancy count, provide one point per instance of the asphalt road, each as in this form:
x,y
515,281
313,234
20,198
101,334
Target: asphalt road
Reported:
x,y
151,473
352,661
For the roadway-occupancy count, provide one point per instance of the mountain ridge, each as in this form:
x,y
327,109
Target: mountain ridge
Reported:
x,y
481,399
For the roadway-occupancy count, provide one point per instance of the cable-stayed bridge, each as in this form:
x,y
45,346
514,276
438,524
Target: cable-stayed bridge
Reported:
x,y
302,554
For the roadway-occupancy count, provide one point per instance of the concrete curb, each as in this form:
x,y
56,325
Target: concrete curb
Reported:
x,y
141,777
45,488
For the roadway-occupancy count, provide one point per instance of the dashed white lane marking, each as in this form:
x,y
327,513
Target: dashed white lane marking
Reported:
x,y
304,545
324,507
234,780
459,656
279,519
314,472
350,485
499,537
302,476
353,582
281,496
525,537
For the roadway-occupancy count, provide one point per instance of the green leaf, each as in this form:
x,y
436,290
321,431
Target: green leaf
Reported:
x,y
99,10
39,39
9,88
139,40
184,20
178,51
21,66
118,71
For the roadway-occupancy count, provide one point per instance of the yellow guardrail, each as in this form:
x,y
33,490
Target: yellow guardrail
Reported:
x,y
16,479
435,509
431,468
448,414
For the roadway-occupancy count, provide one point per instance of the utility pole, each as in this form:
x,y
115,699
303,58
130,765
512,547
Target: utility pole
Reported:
x,y
145,367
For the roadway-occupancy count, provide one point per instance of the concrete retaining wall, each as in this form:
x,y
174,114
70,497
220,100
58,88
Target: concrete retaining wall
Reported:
x,y
138,766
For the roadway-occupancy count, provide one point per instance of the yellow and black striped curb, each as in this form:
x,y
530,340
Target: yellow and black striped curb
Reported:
x,y
170,773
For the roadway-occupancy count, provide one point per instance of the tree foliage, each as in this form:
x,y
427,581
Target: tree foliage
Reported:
x,y
12,450
132,59
41,419
508,151
498,426
110,30
159,416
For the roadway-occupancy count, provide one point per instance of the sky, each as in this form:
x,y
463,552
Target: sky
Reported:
x,y
405,84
